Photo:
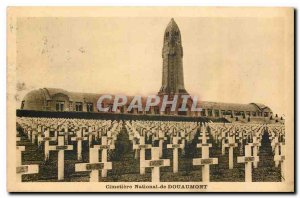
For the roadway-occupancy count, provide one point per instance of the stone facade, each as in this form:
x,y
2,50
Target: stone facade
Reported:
x,y
50,99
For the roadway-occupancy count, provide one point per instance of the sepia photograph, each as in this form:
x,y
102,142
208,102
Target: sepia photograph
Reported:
x,y
150,99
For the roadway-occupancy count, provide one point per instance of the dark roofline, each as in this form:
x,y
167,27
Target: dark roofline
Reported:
x,y
73,96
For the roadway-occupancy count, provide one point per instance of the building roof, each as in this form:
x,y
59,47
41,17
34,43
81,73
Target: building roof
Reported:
x,y
50,93
36,95
227,106
260,106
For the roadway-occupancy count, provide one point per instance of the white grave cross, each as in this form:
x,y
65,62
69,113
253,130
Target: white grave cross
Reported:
x,y
79,140
94,165
104,147
90,134
61,148
175,146
155,163
256,144
231,144
65,133
205,161
47,139
248,160
275,144
281,158
142,146
161,137
23,169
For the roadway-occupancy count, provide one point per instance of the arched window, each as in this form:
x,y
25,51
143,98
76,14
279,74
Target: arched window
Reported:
x,y
217,113
60,105
210,112
78,106
89,107
167,34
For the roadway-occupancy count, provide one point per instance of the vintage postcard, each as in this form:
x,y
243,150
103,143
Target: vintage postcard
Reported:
x,y
150,99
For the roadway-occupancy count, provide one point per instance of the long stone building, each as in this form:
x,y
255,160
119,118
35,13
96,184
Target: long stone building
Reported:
x,y
51,99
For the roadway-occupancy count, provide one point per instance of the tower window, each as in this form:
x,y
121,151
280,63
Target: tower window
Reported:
x,y
167,34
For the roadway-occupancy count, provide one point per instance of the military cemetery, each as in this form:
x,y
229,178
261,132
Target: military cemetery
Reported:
x,y
149,151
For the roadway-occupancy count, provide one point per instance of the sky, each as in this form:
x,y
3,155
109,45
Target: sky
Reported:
x,y
236,60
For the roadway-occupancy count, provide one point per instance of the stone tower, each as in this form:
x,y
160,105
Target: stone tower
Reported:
x,y
172,53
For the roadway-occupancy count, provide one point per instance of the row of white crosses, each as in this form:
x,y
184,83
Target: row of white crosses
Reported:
x,y
62,145
155,163
278,147
138,130
205,161
23,169
223,133
227,137
66,127
251,155
158,133
175,146
34,127
252,135
94,165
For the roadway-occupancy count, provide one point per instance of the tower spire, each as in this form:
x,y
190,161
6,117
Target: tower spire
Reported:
x,y
172,53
